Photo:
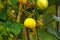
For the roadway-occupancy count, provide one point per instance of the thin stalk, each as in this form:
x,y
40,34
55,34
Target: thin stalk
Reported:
x,y
57,24
47,24
37,33
27,33
15,37
20,13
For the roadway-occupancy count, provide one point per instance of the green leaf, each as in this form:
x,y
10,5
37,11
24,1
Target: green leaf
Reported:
x,y
3,14
6,23
16,28
53,2
43,35
56,18
57,34
47,17
2,29
14,2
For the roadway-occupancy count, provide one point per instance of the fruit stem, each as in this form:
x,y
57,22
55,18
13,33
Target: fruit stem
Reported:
x,y
37,33
27,33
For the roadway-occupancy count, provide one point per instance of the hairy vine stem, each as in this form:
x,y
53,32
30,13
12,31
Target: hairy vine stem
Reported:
x,y
20,13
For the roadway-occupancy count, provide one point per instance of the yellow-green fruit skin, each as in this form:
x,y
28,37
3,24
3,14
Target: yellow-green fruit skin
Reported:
x,y
30,23
42,4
